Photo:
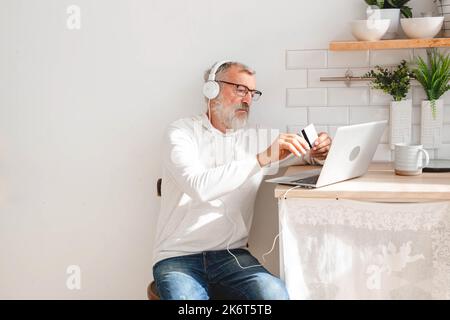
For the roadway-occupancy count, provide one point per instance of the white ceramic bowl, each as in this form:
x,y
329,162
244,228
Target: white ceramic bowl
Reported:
x,y
369,30
422,28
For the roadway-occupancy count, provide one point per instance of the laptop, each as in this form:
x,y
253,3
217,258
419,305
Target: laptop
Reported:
x,y
351,152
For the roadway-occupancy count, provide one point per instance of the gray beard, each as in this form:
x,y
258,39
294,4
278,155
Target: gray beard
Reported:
x,y
229,118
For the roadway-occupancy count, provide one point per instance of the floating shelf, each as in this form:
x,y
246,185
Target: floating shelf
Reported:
x,y
389,44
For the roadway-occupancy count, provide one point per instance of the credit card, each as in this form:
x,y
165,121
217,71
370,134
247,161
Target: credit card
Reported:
x,y
309,133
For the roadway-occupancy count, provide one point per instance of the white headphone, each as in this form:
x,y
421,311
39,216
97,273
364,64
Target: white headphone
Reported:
x,y
211,88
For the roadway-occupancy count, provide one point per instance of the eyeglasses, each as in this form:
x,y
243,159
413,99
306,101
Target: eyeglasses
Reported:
x,y
242,90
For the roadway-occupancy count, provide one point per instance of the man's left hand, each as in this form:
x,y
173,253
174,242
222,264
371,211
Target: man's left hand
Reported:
x,y
321,146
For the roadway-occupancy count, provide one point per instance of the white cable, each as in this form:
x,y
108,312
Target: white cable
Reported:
x,y
279,233
229,240
231,237
273,246
284,196
209,110
234,228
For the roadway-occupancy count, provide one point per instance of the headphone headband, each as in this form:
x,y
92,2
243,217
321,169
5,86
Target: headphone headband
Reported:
x,y
212,73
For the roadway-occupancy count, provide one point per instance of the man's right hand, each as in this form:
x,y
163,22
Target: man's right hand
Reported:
x,y
284,145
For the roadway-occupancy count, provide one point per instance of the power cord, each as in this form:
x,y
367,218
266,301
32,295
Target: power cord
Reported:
x,y
231,236
234,229
288,190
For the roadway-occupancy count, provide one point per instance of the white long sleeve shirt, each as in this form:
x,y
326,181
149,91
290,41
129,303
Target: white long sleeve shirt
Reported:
x,y
210,181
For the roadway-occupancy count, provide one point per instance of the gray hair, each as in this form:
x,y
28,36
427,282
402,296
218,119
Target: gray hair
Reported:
x,y
224,67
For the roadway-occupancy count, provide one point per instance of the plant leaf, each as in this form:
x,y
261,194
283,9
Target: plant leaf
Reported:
x,y
434,76
371,2
406,12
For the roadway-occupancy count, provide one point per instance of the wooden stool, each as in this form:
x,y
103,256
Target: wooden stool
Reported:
x,y
152,293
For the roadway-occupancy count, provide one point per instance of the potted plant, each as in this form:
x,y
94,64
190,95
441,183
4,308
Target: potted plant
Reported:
x,y
433,76
389,9
395,82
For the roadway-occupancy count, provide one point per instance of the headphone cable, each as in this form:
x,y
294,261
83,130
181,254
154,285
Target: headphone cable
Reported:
x,y
232,233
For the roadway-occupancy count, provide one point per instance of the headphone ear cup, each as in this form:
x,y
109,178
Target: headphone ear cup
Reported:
x,y
211,89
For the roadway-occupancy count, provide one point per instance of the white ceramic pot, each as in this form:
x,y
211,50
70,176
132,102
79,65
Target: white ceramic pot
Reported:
x,y
400,116
391,14
431,126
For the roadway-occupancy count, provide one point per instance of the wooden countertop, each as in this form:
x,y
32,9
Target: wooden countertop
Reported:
x,y
379,184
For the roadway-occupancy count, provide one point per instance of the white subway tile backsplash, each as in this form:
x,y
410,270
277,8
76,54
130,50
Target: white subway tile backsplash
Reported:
x,y
446,133
446,97
298,116
286,79
418,95
423,52
389,57
304,59
420,53
383,153
332,104
295,78
306,97
348,96
443,152
444,50
332,131
328,115
314,76
368,114
349,59
321,128
378,97
446,113
294,128
432,153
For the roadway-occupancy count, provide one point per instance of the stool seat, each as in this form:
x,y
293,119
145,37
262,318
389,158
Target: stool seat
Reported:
x,y
152,292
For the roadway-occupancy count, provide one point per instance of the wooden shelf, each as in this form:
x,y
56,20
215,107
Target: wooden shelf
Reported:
x,y
389,44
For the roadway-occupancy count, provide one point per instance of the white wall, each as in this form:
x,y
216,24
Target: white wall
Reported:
x,y
82,114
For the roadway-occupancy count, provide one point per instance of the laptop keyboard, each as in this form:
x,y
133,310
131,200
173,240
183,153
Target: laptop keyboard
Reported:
x,y
308,180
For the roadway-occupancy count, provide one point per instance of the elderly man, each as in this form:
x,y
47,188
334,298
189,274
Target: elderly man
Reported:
x,y
210,180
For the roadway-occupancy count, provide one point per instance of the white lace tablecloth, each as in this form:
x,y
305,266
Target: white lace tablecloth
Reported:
x,y
344,249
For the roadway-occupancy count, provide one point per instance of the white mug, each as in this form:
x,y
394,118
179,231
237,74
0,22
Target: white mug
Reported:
x,y
409,159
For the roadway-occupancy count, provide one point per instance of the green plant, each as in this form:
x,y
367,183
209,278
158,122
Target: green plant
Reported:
x,y
433,75
395,82
392,4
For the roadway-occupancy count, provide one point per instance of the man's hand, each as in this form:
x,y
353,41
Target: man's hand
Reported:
x,y
284,145
321,146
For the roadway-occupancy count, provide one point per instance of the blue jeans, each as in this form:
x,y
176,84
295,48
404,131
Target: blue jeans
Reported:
x,y
216,275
